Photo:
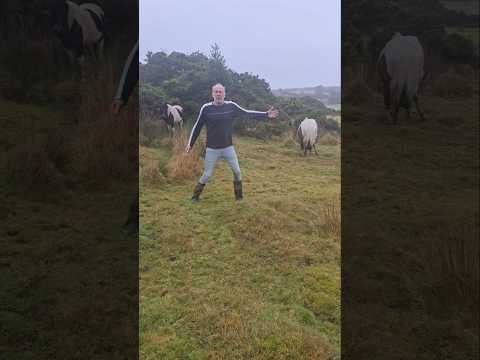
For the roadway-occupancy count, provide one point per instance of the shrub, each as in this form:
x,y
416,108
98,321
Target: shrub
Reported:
x,y
457,47
152,131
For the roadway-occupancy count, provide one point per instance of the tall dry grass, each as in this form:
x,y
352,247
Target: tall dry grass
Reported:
x,y
104,145
183,166
87,143
30,167
105,149
329,138
290,137
453,266
239,331
330,217
151,174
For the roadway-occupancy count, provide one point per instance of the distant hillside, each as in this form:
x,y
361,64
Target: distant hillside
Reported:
x,y
326,94
468,7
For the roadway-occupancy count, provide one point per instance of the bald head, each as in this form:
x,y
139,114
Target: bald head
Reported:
x,y
218,85
218,94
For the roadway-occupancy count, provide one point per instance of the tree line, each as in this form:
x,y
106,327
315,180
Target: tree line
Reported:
x,y
186,79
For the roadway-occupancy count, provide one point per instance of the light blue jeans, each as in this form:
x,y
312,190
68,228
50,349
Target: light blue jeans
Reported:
x,y
211,158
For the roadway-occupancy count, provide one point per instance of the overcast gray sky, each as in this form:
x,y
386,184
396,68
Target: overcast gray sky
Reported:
x,y
289,43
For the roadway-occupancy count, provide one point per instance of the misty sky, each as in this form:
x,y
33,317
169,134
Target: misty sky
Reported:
x,y
289,43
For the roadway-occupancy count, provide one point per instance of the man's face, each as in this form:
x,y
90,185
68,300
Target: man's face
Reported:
x,y
218,94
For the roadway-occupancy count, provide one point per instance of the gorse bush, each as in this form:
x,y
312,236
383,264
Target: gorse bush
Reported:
x,y
457,47
152,131
261,129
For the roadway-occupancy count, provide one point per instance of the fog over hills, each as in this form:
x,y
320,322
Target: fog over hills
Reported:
x,y
329,95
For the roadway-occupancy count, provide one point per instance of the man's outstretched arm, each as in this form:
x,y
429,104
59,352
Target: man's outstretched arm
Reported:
x,y
259,115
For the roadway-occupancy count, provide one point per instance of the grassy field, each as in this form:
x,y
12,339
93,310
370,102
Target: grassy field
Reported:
x,y
61,216
257,279
410,238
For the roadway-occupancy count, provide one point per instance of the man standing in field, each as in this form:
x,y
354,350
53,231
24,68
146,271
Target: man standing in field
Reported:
x,y
218,116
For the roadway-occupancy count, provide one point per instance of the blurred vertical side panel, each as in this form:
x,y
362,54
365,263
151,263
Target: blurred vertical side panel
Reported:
x,y
410,255
68,180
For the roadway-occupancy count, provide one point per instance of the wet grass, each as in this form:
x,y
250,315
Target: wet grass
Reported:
x,y
408,195
257,279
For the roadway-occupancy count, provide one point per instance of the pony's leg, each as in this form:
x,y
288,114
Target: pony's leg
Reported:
x,y
415,99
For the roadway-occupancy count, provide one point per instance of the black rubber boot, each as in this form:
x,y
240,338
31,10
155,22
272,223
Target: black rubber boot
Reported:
x,y
197,191
237,188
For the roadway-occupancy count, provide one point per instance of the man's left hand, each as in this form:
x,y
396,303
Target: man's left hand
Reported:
x,y
272,113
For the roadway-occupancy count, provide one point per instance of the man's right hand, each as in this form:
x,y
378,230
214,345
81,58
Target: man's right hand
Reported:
x,y
116,106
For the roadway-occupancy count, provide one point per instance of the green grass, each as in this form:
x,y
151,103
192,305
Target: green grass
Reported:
x,y
257,279
63,273
408,196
